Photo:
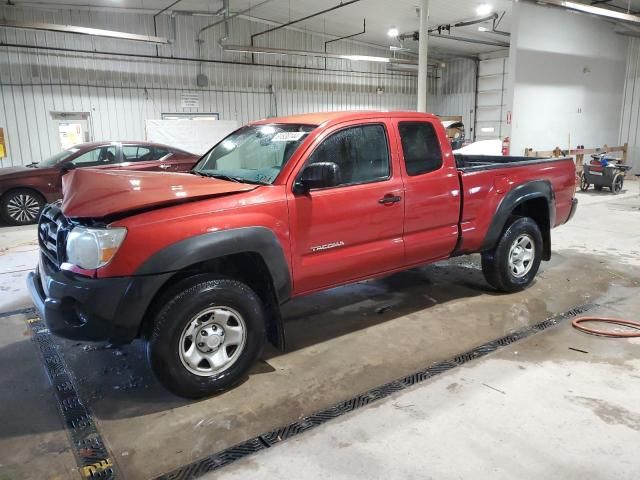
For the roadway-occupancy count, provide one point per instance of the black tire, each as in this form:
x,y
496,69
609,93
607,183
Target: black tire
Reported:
x,y
584,185
21,207
495,263
183,305
617,183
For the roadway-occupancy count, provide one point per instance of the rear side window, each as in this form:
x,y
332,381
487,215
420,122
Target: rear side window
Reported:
x,y
136,153
159,153
420,147
360,152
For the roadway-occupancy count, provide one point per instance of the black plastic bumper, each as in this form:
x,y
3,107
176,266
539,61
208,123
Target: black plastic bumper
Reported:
x,y
81,308
574,207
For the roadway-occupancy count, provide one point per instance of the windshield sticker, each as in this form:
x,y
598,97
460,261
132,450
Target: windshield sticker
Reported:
x,y
288,136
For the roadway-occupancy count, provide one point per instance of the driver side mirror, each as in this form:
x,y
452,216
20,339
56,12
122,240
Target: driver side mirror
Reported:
x,y
66,167
318,175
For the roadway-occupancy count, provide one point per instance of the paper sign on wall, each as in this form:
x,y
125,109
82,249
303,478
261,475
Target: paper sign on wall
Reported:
x,y
3,148
190,100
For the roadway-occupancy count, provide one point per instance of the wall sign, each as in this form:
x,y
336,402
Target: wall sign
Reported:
x,y
3,148
190,100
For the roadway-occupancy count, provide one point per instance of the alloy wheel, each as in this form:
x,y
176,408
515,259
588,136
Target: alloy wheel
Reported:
x,y
23,208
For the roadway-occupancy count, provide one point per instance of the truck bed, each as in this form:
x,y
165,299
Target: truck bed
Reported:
x,y
486,180
487,162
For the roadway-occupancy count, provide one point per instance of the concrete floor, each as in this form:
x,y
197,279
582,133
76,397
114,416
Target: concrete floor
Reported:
x,y
469,421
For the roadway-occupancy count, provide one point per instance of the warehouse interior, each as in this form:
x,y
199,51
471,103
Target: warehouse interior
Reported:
x,y
428,371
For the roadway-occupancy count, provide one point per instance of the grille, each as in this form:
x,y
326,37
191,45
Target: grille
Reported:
x,y
53,228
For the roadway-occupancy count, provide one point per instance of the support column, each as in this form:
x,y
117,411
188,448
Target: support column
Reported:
x,y
423,44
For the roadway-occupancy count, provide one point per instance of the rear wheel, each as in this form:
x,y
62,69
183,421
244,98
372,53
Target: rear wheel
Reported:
x,y
584,185
512,265
207,336
21,207
618,183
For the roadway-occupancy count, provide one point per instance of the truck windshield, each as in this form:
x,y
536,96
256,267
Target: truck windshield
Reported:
x,y
253,154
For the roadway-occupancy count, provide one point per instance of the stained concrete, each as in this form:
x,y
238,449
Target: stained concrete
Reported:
x,y
343,342
535,409
18,255
33,443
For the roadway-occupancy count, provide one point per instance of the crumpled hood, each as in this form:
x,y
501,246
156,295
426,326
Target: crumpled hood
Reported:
x,y
91,193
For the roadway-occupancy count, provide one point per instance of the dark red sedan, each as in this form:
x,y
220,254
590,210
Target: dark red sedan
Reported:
x,y
24,190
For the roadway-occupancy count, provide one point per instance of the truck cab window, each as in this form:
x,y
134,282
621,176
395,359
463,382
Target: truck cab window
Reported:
x,y
361,154
420,147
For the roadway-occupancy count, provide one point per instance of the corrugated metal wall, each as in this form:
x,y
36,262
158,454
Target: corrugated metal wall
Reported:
x,y
630,124
122,92
454,92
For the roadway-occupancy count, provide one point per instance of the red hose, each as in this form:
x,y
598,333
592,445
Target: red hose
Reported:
x,y
577,323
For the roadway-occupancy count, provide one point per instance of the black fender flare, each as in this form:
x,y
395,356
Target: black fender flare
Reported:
x,y
519,195
209,246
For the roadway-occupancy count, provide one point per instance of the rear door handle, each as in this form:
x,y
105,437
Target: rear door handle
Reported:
x,y
389,199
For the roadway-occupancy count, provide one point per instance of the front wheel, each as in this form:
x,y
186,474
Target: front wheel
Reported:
x,y
207,336
21,207
512,265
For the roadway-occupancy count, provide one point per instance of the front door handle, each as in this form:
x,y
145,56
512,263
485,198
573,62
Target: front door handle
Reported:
x,y
164,166
389,199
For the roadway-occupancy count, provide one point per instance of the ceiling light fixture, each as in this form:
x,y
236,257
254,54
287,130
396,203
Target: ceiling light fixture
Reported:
x,y
393,32
483,29
365,58
484,9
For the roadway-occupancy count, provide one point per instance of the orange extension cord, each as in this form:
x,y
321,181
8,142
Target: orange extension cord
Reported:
x,y
577,323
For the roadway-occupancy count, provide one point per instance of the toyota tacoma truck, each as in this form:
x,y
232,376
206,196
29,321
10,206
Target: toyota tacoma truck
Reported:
x,y
198,264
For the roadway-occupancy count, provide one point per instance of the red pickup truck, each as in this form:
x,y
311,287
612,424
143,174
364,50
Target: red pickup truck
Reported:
x,y
198,263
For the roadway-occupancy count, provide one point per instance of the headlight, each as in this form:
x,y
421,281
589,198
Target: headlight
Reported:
x,y
92,248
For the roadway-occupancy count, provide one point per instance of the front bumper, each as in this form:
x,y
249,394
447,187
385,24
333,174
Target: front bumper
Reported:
x,y
94,309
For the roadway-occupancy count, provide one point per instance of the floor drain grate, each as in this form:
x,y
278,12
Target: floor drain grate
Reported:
x,y
89,449
267,440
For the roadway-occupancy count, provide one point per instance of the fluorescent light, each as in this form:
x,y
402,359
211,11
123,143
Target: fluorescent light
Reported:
x,y
483,29
487,129
484,9
366,58
393,32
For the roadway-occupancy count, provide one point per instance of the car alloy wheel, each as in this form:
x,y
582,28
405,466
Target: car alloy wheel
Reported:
x,y
23,208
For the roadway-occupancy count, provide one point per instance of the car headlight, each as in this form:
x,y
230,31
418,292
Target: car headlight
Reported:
x,y
92,248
